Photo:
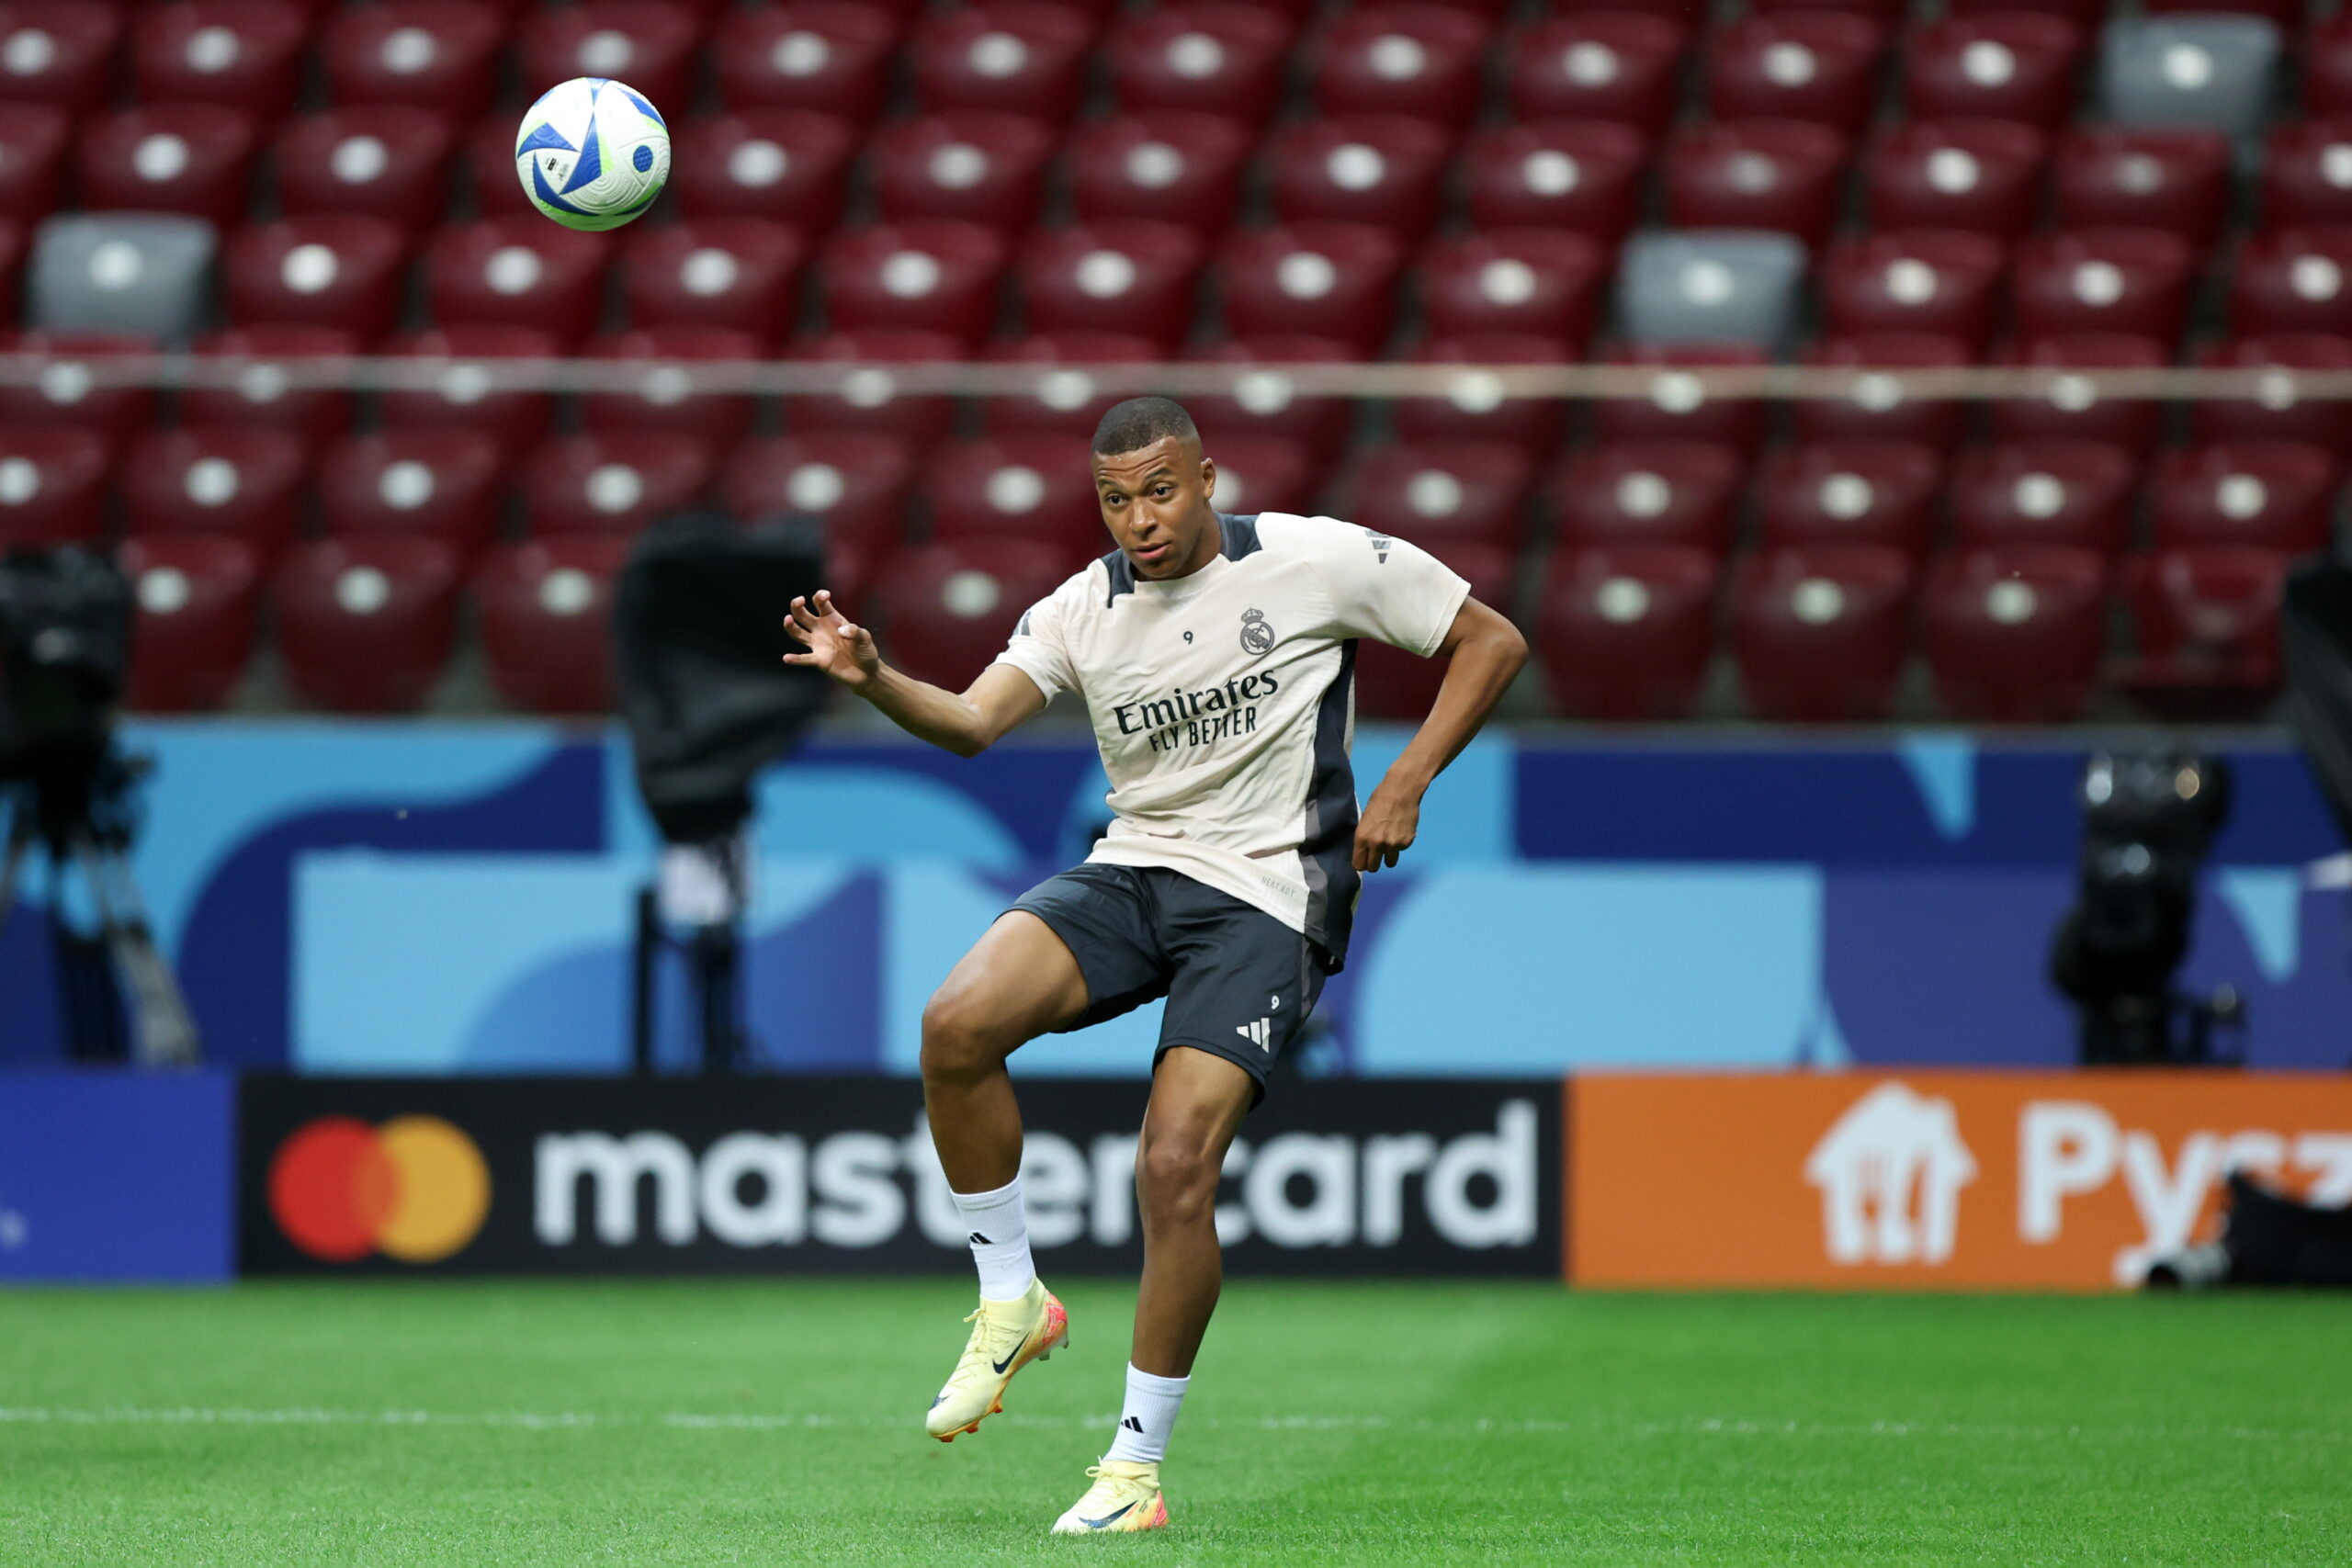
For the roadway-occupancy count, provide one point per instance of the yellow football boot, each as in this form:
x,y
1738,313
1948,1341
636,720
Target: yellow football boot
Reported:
x,y
1006,1336
1124,1496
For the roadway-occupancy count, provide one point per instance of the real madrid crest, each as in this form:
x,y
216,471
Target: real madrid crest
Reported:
x,y
1257,637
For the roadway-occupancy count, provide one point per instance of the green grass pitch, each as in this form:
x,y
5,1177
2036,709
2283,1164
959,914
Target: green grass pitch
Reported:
x,y
1373,1422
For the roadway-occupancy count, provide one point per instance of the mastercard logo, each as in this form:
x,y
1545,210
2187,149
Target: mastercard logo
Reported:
x,y
414,1189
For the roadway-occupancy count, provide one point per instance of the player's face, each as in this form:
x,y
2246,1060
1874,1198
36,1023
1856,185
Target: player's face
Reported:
x,y
1156,503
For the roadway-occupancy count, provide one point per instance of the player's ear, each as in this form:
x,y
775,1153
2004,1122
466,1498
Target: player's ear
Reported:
x,y
1208,477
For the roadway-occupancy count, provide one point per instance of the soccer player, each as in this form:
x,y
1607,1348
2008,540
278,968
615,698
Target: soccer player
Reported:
x,y
1215,655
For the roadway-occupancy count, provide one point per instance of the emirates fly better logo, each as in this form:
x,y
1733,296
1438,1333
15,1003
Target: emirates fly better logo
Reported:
x,y
414,1189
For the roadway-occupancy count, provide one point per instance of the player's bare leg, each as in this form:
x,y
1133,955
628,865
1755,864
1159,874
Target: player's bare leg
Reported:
x,y
1198,1101
1017,982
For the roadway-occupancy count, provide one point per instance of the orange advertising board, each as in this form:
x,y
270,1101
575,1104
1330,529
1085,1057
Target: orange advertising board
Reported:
x,y
1927,1180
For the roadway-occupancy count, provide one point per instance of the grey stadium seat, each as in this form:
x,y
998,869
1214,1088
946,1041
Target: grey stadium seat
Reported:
x,y
1711,286
122,272
2217,71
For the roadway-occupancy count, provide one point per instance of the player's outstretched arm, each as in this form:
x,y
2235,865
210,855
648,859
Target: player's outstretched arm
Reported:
x,y
966,723
1483,651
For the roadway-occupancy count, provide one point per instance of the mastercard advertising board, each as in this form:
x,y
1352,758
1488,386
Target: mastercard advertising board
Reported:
x,y
1931,1181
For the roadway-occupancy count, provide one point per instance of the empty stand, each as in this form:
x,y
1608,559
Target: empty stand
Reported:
x,y
611,483
338,270
547,622
663,399
1849,492
1929,281
869,399
1392,683
440,55
2278,414
193,634
1879,408
1268,402
741,274
643,43
137,273
1425,61
1264,473
52,485
829,56
58,51
2278,495
1614,66
1327,280
978,167
463,393
2073,408
1625,631
1068,401
1442,493
194,158
1678,407
389,161
440,484
762,163
946,609
1711,286
32,157
2129,281
932,275
2014,634
1821,631
365,625
1209,57
67,393
2206,629
2075,494
1476,407
2216,71
1017,56
2176,180
855,482
1168,166
1138,277
1772,173
1382,170
1580,176
1997,65
1796,65
1537,282
1666,492
2307,172
1025,485
238,482
2293,280
1984,176
244,53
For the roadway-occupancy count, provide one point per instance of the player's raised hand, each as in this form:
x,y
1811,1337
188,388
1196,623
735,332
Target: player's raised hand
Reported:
x,y
837,645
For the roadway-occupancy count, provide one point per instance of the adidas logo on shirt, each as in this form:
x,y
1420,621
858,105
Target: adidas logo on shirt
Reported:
x,y
1261,1034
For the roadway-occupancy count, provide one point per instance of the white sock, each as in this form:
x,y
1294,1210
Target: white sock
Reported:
x,y
1148,1417
1000,1238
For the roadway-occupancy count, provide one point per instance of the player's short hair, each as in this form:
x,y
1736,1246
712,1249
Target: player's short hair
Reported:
x,y
1137,422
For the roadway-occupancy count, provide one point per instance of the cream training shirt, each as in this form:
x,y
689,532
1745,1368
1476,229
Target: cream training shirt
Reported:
x,y
1224,701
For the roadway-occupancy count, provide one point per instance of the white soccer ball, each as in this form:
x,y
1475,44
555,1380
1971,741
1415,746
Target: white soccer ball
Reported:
x,y
593,154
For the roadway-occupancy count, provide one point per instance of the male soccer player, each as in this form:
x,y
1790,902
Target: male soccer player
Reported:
x,y
1215,656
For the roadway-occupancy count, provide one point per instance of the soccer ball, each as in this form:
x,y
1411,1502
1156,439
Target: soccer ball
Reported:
x,y
592,153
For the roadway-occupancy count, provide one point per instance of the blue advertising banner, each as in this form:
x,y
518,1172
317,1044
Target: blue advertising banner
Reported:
x,y
117,1176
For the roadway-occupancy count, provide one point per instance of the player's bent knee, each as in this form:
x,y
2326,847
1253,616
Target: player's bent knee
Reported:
x,y
1177,1176
960,1037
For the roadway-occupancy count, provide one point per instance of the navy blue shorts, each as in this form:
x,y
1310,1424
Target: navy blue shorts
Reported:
x,y
1239,983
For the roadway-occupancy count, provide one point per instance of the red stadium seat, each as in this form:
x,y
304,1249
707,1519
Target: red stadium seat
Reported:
x,y
1677,408
1602,65
2075,494
12,264
742,274
436,484
2082,13
2175,180
2279,496
1166,165
1392,683
1821,631
517,271
1537,282
1207,57
870,399
52,485
1982,175
612,483
1635,493
1424,61
1879,408
493,173
547,622
1580,176
933,275
1806,65
2327,67
2003,65
32,156
2133,281
1923,281
1138,277
1268,402
193,632
365,625
2014,634
336,270
1625,631
189,158
464,395
1857,492
243,53
1034,485
855,482
2277,413
1444,492
2206,630
1264,473
2293,280
829,56
976,168
1770,174
1474,409
2307,172
647,44
2073,410
67,393
1013,56
238,482
2279,13
262,392
1068,401
946,609
1328,280
440,55
1381,170
664,400
763,163
389,161
58,51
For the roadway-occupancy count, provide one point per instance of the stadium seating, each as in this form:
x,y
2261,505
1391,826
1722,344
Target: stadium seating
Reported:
x,y
1070,402
2176,180
1027,485
2293,280
546,621
1393,683
1016,56
1820,66
1386,171
827,56
932,275
1264,473
2278,414
1849,492
2217,71
243,53
337,270
52,485
67,393
1474,407
611,483
365,625
2205,627
1268,402
977,167
520,271
1625,631
2129,281
439,484
139,272
664,400
648,44
2072,494
1615,66
1931,281
194,158
2307,172
1769,174
1982,175
1424,61
1536,282
1999,65
1569,175
389,161
1328,280
1719,287
2073,410
462,395
741,274
1667,492
440,55
193,632
244,483
1441,493
855,482
1677,408
2014,634
2275,495
1170,166
1137,276
58,52
2327,68
1207,57
1877,408
1821,631
870,399
759,162
946,609
32,158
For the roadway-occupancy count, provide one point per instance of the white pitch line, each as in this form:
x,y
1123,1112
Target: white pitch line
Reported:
x,y
728,1421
